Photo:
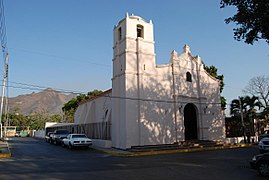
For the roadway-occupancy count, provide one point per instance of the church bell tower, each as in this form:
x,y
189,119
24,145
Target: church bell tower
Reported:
x,y
133,57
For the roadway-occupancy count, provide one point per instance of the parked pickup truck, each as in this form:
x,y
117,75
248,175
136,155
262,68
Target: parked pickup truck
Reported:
x,y
59,135
48,137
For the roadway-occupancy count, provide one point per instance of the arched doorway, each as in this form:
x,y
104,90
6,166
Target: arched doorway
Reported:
x,y
190,122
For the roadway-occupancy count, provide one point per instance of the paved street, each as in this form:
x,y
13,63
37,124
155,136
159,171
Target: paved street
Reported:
x,y
36,159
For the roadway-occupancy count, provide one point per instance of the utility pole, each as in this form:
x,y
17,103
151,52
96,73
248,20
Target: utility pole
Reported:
x,y
242,119
3,93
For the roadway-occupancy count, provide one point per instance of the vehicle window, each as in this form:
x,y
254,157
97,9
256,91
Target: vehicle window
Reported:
x,y
79,136
62,132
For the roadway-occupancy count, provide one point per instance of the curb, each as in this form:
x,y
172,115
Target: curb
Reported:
x,y
5,155
6,152
149,153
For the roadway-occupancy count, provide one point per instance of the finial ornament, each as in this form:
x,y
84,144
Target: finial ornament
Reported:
x,y
186,49
174,54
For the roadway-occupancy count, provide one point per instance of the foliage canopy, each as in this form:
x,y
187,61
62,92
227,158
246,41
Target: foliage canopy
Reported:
x,y
252,19
213,71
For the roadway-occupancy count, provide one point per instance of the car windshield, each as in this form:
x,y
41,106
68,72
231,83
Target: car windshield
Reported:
x,y
79,136
61,132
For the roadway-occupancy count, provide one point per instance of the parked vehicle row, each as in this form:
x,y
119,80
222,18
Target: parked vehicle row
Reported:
x,y
64,138
260,162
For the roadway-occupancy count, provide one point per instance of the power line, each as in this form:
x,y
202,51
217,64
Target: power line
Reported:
x,y
42,88
34,87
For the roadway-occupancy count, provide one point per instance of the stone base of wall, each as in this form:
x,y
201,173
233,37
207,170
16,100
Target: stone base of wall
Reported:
x,y
236,140
102,143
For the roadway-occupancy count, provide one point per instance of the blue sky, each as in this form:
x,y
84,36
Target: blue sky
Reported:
x,y
67,44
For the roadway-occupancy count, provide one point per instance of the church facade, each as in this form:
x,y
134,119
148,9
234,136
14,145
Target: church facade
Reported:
x,y
152,104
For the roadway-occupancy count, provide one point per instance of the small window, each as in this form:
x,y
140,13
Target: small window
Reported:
x,y
119,33
144,67
140,31
188,77
106,113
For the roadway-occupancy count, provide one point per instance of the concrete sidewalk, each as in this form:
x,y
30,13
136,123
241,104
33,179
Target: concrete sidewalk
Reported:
x,y
4,149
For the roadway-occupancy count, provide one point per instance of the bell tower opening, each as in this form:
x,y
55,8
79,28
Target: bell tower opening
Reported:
x,y
119,34
140,31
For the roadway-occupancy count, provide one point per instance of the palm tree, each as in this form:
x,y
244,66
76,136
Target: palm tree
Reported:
x,y
239,108
246,108
252,103
235,108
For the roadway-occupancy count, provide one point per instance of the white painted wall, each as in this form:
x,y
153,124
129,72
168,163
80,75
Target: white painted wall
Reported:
x,y
94,110
39,133
145,113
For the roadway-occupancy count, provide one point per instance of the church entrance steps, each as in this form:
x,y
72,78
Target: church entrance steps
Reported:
x,y
180,145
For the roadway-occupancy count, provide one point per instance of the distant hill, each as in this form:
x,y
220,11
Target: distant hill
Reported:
x,y
49,101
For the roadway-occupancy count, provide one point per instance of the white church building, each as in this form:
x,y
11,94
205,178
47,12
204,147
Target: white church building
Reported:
x,y
152,104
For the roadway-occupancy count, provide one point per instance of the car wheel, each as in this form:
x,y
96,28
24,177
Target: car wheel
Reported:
x,y
62,144
70,146
263,169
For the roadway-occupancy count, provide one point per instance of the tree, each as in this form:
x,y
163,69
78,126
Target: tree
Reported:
x,y
252,103
259,86
94,93
235,108
252,17
35,120
248,107
70,107
213,71
238,108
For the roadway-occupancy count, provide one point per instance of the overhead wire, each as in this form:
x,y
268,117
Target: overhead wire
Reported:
x,y
37,87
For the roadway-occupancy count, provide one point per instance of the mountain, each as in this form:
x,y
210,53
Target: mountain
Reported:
x,y
49,101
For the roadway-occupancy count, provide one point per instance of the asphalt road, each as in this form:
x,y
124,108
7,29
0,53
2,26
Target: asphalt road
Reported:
x,y
36,159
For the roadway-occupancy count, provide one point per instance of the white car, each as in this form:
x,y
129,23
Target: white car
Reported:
x,y
76,140
264,145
